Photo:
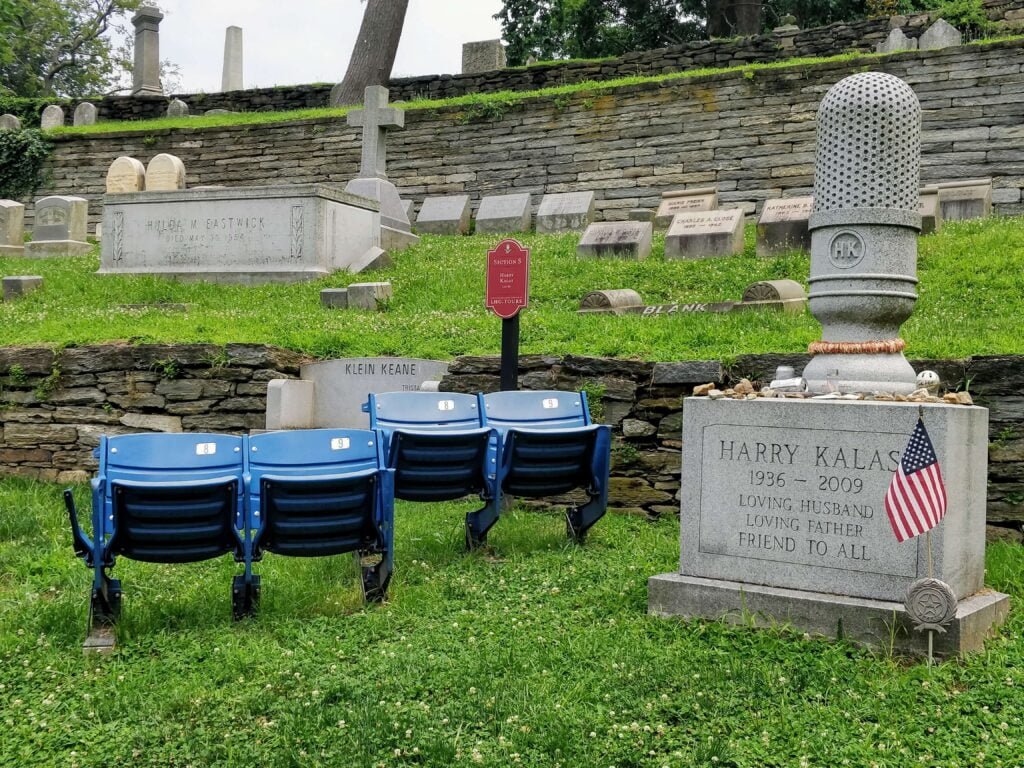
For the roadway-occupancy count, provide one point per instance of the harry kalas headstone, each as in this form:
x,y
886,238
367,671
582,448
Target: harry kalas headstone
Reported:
x,y
782,507
375,118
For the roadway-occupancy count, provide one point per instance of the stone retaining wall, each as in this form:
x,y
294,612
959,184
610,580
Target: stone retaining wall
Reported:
x,y
55,406
753,137
841,37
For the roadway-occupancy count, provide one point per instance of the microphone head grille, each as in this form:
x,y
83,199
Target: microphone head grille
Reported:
x,y
869,145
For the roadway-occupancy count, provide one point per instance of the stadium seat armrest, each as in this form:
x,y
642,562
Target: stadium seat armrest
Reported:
x,y
82,543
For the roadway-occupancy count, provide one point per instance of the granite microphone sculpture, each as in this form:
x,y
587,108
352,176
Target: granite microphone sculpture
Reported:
x,y
864,234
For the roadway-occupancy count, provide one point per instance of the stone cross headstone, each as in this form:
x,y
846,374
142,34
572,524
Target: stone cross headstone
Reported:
x,y
565,212
684,201
53,117
85,114
375,118
165,173
621,239
700,235
500,214
896,41
931,213
146,72
60,228
9,123
126,175
12,228
177,108
231,78
783,226
483,56
444,216
963,200
941,34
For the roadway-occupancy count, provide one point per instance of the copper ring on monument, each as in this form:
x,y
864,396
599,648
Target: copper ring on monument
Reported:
x,y
931,604
886,347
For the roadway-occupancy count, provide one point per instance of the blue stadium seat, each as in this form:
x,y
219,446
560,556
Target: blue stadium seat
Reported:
x,y
160,498
439,449
320,492
548,446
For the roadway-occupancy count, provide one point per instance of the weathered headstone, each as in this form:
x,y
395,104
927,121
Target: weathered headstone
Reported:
x,y
16,286
60,228
177,108
483,56
12,228
126,175
931,213
334,298
782,507
146,72
502,214
941,34
375,118
444,216
370,296
783,226
331,393
53,117
165,173
700,235
621,239
85,114
9,123
684,201
249,235
896,41
231,77
963,200
565,212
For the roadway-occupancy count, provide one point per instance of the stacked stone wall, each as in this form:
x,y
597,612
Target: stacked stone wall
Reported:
x,y
753,137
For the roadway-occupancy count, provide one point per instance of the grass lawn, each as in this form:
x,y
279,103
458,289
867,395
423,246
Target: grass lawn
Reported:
x,y
971,296
535,653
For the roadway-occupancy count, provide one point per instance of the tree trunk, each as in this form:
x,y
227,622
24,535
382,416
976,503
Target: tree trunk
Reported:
x,y
374,52
732,18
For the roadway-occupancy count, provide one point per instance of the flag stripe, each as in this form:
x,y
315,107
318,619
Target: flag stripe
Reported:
x,y
916,499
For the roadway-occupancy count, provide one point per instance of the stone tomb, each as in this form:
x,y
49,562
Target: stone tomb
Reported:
x,y
931,213
621,239
565,212
444,216
783,226
700,235
247,235
126,175
332,393
783,516
501,214
60,228
12,228
684,201
165,173
963,200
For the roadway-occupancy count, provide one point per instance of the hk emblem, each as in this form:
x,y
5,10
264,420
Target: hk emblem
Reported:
x,y
846,250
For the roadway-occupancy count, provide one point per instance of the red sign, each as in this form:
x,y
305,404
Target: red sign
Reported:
x,y
508,279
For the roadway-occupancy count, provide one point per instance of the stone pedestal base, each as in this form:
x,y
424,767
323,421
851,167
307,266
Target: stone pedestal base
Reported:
x,y
876,623
53,249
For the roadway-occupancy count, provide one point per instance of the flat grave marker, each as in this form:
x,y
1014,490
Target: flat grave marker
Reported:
x,y
565,212
504,214
444,216
702,235
684,201
783,226
617,239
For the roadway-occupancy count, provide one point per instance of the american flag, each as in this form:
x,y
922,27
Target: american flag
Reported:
x,y
916,499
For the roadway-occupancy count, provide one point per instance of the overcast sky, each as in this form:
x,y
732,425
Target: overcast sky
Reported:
x,y
305,41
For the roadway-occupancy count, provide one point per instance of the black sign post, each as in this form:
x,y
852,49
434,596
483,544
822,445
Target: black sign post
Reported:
x,y
508,282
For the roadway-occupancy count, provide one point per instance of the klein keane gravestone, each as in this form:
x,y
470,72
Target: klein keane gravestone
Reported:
x,y
60,228
53,117
12,228
622,239
165,173
684,201
963,200
85,114
444,216
565,212
782,512
504,214
783,226
243,235
700,235
126,175
332,393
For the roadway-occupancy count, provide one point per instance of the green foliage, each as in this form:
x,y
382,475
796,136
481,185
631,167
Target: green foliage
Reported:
x,y
18,375
22,156
962,14
28,110
167,367
595,399
813,13
47,386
